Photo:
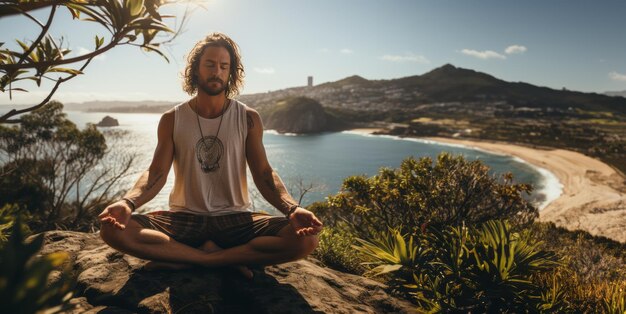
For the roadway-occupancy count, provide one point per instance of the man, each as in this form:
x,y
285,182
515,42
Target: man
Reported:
x,y
209,139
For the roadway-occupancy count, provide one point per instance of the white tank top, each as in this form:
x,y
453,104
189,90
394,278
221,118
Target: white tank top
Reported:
x,y
210,174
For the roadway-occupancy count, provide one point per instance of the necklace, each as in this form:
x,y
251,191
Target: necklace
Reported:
x,y
206,164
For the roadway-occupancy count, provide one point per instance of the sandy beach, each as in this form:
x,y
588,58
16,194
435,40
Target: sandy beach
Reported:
x,y
594,194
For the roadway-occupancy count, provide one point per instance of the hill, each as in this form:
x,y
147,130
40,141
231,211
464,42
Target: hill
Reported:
x,y
299,115
445,84
619,93
122,106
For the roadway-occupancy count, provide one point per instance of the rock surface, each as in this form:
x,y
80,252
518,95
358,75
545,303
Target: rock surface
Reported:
x,y
108,121
112,282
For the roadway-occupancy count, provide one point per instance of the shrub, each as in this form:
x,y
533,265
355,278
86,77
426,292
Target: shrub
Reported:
x,y
24,286
483,269
451,191
8,213
593,267
56,172
335,250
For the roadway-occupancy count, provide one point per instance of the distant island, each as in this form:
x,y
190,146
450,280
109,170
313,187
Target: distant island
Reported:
x,y
108,121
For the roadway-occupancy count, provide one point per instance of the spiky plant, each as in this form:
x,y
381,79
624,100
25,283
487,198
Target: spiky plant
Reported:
x,y
24,286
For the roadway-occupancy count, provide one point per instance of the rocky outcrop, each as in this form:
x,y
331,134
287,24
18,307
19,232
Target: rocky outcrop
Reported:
x,y
108,121
299,115
112,282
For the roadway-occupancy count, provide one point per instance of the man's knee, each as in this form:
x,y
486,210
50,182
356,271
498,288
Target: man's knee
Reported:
x,y
112,236
306,245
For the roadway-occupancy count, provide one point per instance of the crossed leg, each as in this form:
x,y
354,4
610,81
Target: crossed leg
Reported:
x,y
156,246
208,246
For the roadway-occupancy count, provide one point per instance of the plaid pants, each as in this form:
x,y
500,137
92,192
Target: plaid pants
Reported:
x,y
225,230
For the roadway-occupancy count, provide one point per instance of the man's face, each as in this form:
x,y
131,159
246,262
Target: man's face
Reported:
x,y
213,70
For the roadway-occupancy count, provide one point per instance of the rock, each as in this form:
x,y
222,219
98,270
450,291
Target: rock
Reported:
x,y
112,282
108,122
299,115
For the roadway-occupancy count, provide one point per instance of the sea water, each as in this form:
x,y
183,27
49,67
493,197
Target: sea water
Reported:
x,y
321,161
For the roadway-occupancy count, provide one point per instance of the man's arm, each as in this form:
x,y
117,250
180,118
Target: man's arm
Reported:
x,y
151,181
269,183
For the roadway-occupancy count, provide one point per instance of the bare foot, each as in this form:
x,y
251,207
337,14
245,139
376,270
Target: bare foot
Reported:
x,y
210,246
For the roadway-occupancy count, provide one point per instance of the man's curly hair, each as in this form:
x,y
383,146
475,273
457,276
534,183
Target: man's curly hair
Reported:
x,y
235,78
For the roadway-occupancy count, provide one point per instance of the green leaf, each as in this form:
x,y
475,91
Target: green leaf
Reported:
x,y
155,49
65,70
18,89
99,41
384,269
136,7
24,46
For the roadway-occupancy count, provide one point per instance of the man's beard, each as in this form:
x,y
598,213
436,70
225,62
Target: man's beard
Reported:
x,y
213,91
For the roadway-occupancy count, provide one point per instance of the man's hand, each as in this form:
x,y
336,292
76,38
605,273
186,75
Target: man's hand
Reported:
x,y
116,214
304,222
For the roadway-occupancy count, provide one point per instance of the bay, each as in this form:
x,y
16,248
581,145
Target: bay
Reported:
x,y
321,160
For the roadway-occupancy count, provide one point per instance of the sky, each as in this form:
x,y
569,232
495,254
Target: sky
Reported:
x,y
578,45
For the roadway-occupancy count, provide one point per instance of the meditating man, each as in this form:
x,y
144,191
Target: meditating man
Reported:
x,y
209,139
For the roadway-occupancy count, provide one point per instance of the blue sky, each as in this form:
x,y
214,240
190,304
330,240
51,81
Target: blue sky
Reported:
x,y
579,45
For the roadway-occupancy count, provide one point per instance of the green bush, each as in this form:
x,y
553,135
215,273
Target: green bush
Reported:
x,y
593,267
56,172
615,300
451,191
484,269
335,250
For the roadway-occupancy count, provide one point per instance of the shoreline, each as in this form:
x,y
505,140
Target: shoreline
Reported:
x,y
593,195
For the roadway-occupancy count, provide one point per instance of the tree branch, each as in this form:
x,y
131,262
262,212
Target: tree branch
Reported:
x,y
12,67
43,33
14,112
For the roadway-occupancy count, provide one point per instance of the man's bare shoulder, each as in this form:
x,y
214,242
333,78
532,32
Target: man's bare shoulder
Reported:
x,y
253,119
167,120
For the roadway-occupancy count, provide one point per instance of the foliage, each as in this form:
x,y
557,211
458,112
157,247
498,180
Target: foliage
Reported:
x,y
451,191
593,270
335,250
615,300
57,172
8,212
483,269
129,22
475,265
24,286
389,252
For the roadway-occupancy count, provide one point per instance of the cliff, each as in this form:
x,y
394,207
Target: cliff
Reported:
x,y
111,282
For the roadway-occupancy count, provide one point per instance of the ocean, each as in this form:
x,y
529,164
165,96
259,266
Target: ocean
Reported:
x,y
320,161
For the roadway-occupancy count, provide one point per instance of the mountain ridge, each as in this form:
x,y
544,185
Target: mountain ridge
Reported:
x,y
441,85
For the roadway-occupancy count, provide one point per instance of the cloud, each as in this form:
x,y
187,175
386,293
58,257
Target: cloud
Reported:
x,y
409,57
323,50
269,70
82,51
346,51
487,54
617,76
515,49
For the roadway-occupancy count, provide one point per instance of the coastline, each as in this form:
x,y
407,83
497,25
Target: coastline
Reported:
x,y
593,196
